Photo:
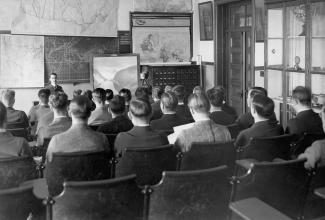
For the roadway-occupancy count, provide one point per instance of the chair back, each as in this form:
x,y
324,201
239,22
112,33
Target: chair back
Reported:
x,y
18,203
94,127
199,194
111,140
204,155
118,198
267,148
283,185
19,132
77,166
305,141
147,163
234,130
15,170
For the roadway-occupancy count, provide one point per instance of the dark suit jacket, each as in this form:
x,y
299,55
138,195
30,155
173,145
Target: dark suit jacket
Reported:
x,y
222,118
246,120
267,128
184,111
16,119
54,89
305,121
156,111
139,137
168,121
230,110
119,124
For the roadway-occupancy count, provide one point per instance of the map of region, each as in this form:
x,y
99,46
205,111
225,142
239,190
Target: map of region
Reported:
x,y
70,57
7,11
163,5
162,45
67,17
22,61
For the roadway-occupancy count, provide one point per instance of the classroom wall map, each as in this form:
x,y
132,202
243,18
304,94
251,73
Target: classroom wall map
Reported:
x,y
67,17
22,61
162,45
163,5
70,57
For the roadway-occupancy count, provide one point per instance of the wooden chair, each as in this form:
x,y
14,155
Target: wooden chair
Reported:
x,y
15,170
111,140
266,148
204,155
305,141
283,185
234,130
199,194
76,166
118,199
19,203
147,163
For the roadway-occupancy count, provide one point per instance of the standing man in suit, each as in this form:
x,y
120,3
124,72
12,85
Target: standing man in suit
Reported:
x,y
141,135
262,110
181,108
168,105
306,119
53,86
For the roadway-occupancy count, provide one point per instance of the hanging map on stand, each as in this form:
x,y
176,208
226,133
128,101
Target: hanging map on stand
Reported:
x,y
163,5
96,18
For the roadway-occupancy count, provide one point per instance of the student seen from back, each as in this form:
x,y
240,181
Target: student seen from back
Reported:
x,y
101,114
182,109
126,93
225,107
156,95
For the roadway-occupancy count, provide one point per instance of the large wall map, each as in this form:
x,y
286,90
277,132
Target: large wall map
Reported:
x,y
67,17
69,57
163,5
162,45
22,61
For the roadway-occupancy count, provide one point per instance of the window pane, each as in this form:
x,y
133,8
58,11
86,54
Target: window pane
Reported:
x,y
275,25
259,78
318,89
296,58
318,19
238,16
294,80
274,88
296,20
275,52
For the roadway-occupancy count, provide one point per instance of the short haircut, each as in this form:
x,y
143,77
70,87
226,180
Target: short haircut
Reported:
x,y
117,104
169,100
199,103
54,74
3,114
59,100
198,89
168,88
302,94
109,94
179,90
263,105
216,97
257,90
99,95
44,95
157,92
77,92
8,95
140,108
126,93
142,93
80,107
88,93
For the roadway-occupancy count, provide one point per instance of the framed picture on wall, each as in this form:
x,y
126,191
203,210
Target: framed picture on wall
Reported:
x,y
206,20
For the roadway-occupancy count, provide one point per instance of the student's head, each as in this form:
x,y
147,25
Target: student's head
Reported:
x,y
262,107
156,93
179,90
198,105
99,96
109,94
88,93
53,78
301,96
216,97
198,90
253,91
43,95
168,88
126,93
140,111
59,102
141,93
117,105
80,108
3,115
168,102
77,92
8,97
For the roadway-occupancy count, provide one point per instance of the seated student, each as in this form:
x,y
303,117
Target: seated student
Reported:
x,y
120,122
306,119
126,93
216,97
36,112
225,107
79,137
316,152
156,95
101,114
61,122
11,146
142,93
262,110
15,118
88,93
141,135
247,120
198,90
170,119
181,109
109,96
204,129
76,93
